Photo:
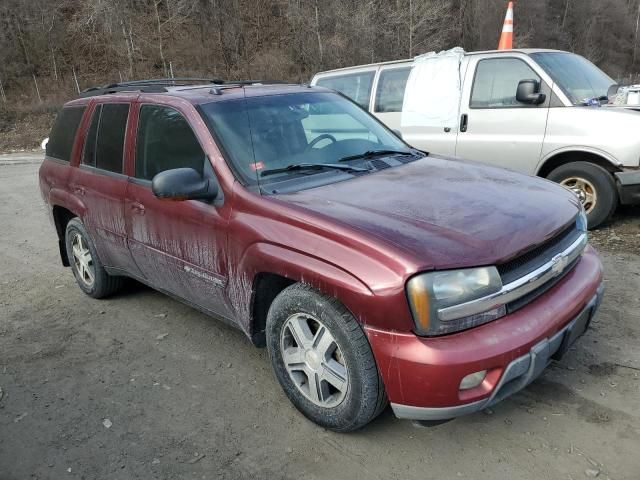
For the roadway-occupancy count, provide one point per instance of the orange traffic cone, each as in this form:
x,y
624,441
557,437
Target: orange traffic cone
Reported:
x,y
506,39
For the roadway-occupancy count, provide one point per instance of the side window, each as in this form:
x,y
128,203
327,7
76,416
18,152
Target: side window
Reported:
x,y
496,82
63,133
165,141
390,91
110,142
356,86
89,152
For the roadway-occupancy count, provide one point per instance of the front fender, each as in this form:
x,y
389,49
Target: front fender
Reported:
x,y
386,308
300,267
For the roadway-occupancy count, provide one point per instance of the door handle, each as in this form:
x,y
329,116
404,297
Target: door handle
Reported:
x,y
137,207
464,122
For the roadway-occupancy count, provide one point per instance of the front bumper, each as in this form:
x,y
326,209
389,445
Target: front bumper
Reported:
x,y
628,183
518,374
422,375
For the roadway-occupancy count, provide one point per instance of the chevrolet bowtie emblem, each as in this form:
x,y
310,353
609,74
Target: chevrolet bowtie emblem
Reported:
x,y
559,263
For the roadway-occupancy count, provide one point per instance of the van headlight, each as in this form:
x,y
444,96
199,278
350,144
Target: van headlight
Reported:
x,y
430,292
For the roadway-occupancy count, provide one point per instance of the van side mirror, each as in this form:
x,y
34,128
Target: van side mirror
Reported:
x,y
529,92
183,184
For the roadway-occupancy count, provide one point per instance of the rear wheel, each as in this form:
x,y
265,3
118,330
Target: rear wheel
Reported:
x,y
87,268
323,360
594,187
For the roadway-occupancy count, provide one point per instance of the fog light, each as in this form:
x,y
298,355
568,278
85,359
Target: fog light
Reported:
x,y
473,380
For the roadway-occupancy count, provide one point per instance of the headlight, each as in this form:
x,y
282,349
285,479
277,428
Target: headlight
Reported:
x,y
430,292
581,220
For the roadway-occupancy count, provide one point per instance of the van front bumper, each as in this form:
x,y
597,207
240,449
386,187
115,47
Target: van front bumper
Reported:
x,y
628,183
422,375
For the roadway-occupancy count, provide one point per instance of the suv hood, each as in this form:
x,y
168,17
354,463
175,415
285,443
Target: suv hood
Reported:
x,y
446,213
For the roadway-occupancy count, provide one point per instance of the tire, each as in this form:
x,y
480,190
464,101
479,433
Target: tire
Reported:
x,y
584,176
102,284
340,410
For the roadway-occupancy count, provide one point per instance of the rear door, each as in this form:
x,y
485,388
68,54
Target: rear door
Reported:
x,y
494,127
178,245
100,183
389,94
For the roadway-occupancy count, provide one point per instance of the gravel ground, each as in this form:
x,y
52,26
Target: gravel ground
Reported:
x,y
141,386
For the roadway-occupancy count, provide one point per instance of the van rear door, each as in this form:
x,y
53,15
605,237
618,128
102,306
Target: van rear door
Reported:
x,y
494,127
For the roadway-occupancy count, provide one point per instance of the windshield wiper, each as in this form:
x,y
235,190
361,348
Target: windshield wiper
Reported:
x,y
312,166
376,153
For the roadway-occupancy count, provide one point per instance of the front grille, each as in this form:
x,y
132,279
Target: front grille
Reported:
x,y
538,256
531,296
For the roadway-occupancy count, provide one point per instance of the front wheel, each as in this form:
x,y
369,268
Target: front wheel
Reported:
x,y
323,360
594,187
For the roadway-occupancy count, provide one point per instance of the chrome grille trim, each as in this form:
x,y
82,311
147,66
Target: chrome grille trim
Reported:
x,y
520,287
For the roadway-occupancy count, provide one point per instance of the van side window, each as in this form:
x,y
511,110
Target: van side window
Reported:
x,y
356,86
165,141
63,133
89,152
496,82
390,90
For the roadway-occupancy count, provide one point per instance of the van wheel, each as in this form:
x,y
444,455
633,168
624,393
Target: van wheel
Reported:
x,y
87,268
323,360
593,185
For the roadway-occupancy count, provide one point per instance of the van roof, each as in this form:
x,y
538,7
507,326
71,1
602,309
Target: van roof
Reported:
x,y
526,51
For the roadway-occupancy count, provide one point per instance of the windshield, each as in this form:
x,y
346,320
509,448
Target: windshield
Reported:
x,y
578,78
269,133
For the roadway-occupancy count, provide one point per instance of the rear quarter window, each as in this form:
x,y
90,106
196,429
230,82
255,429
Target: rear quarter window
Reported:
x,y
64,132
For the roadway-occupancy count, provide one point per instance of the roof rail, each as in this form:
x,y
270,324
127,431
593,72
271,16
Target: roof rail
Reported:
x,y
158,85
152,85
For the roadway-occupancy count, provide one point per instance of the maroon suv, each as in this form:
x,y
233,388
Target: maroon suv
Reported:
x,y
373,272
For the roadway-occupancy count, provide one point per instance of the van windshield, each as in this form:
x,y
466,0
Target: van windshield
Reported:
x,y
271,133
578,78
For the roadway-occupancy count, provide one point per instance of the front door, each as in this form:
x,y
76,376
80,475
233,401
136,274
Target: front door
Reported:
x,y
178,245
494,127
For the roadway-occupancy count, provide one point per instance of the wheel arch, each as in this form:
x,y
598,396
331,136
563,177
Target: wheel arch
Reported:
x,y
275,268
565,156
61,217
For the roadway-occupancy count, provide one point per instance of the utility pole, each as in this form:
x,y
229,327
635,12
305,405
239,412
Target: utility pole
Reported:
x,y
4,98
75,78
37,89
635,40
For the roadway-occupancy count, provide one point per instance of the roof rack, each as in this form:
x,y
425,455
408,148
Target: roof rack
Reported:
x,y
153,85
158,85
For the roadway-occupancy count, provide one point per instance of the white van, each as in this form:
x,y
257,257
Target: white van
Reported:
x,y
542,112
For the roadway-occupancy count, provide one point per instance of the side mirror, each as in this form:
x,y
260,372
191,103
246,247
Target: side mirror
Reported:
x,y
397,132
529,92
183,184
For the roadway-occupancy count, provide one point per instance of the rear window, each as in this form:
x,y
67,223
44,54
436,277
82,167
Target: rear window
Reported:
x,y
63,133
110,142
89,153
356,86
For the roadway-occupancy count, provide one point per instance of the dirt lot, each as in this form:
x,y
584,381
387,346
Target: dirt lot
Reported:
x,y
141,386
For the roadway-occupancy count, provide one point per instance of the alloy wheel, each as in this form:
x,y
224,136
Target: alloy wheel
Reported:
x,y
584,190
83,260
314,360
